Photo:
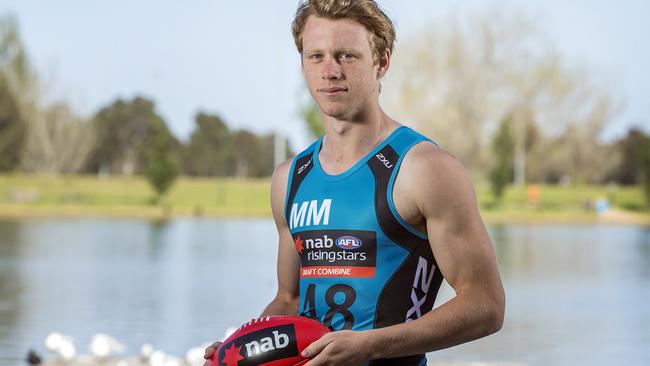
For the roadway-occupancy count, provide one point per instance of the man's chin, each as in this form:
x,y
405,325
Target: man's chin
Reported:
x,y
336,112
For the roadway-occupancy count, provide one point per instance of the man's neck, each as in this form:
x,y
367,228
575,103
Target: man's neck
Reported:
x,y
345,142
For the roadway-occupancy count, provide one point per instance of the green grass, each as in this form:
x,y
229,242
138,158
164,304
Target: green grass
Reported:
x,y
573,198
88,195
33,195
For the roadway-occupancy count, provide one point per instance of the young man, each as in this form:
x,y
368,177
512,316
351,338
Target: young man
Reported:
x,y
372,216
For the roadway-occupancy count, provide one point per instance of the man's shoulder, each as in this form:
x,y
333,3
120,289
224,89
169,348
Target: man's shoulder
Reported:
x,y
433,174
308,150
281,172
428,157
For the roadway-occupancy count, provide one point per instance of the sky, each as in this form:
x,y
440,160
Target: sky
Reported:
x,y
237,58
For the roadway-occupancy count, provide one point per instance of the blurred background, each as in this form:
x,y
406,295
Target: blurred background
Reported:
x,y
137,139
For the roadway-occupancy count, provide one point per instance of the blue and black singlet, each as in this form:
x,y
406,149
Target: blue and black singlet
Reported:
x,y
362,265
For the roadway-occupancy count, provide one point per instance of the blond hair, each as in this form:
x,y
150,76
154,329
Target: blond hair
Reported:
x,y
365,12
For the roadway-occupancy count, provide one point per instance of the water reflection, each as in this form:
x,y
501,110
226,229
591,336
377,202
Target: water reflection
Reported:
x,y
576,294
11,288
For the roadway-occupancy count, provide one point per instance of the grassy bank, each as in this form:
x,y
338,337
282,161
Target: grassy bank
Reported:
x,y
28,196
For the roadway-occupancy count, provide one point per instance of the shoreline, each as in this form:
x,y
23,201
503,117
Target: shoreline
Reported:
x,y
613,217
84,196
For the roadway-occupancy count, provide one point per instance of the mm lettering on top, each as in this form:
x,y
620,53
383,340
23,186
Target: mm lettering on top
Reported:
x,y
310,213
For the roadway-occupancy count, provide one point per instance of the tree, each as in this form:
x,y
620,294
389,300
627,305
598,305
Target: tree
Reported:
x,y
17,89
123,130
248,154
629,170
501,173
162,167
457,80
310,113
267,160
58,141
12,129
209,151
45,138
644,152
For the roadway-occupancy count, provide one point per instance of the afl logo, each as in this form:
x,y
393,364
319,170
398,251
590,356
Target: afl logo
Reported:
x,y
348,242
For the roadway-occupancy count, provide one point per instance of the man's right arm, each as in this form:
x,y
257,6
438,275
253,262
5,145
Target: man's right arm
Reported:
x,y
288,296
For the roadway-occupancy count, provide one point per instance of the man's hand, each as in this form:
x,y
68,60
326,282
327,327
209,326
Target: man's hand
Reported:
x,y
210,351
345,347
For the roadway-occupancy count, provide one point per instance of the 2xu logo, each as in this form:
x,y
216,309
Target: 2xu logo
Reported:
x,y
304,166
384,160
421,282
260,347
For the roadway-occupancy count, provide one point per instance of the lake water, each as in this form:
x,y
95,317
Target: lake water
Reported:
x,y
576,295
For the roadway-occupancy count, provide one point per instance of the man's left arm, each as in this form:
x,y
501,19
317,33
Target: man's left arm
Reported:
x,y
464,254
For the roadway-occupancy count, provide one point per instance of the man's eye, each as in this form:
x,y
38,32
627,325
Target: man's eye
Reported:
x,y
346,56
316,57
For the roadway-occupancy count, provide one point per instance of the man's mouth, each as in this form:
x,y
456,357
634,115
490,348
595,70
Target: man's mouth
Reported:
x,y
333,91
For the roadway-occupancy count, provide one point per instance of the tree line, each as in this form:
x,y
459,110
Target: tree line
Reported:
x,y
124,137
490,89
494,91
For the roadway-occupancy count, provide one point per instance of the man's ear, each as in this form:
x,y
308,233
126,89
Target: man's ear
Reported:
x,y
384,63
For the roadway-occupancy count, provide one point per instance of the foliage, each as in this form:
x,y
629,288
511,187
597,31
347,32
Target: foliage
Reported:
x,y
123,130
631,146
209,151
503,147
644,153
15,79
12,129
310,113
247,154
162,166
58,141
457,80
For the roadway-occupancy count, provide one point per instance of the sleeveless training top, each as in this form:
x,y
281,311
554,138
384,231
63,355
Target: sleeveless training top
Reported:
x,y
362,265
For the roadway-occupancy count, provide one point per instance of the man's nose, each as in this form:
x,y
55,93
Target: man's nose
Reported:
x,y
332,69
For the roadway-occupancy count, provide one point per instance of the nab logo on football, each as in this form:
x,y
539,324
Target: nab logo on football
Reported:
x,y
348,242
266,344
260,347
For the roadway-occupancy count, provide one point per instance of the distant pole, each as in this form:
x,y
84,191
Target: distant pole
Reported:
x,y
520,164
520,148
279,148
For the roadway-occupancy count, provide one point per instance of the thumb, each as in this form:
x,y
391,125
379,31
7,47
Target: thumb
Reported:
x,y
317,346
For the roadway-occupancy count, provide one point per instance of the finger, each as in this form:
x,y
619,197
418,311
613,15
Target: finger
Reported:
x,y
210,350
317,346
319,360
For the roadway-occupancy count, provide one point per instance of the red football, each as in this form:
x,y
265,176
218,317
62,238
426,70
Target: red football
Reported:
x,y
270,341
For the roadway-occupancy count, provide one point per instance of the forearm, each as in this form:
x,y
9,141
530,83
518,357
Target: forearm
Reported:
x,y
281,306
464,318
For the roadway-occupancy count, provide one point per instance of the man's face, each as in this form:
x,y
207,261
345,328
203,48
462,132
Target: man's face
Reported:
x,y
338,66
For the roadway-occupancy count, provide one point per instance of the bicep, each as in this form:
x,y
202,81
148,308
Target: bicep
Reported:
x,y
458,237
288,263
288,267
